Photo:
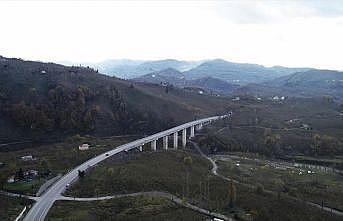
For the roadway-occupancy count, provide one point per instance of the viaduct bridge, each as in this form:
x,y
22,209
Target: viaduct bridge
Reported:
x,y
40,209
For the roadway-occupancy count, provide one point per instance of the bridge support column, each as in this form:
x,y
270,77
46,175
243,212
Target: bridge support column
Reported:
x,y
140,148
165,142
192,132
175,135
153,145
184,132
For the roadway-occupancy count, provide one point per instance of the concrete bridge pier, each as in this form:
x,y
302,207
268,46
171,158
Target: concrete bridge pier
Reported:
x,y
140,148
192,132
175,136
184,139
153,145
199,127
165,142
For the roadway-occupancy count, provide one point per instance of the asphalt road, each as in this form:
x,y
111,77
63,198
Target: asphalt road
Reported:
x,y
166,195
40,209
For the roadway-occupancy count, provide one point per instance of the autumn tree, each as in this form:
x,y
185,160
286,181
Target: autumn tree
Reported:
x,y
188,161
325,145
272,143
232,194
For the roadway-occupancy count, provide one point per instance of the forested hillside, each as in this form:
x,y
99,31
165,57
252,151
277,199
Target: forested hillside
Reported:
x,y
45,100
313,83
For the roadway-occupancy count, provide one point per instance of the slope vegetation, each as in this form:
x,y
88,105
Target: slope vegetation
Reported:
x,y
44,100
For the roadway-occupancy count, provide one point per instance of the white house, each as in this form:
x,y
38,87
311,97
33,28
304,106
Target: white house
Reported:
x,y
32,173
27,158
10,179
236,99
276,98
84,146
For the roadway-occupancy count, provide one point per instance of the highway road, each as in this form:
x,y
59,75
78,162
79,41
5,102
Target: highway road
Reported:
x,y
40,209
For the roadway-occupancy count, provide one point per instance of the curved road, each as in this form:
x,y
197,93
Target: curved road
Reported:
x,y
166,195
40,209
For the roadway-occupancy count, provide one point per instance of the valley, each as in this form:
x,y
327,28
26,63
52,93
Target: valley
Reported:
x,y
264,135
171,110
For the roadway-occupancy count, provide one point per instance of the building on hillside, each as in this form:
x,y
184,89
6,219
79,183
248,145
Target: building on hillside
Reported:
x,y
236,99
30,173
306,127
295,120
11,179
27,158
276,98
84,146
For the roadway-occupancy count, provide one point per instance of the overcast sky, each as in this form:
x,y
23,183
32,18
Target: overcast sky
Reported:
x,y
290,33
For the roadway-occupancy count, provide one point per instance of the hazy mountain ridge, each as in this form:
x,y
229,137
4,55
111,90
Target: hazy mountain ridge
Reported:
x,y
127,69
302,84
238,73
169,75
177,78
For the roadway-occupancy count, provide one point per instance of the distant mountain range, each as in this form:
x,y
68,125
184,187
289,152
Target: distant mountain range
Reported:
x,y
302,84
177,78
128,69
236,73
230,78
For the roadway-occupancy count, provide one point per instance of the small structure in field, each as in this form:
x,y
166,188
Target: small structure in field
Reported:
x,y
31,173
11,179
236,99
306,127
84,146
27,158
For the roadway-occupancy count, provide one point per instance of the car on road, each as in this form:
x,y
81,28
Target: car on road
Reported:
x,y
107,155
68,185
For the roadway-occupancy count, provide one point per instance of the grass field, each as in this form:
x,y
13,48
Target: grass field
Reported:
x,y
298,182
147,171
24,186
266,207
11,207
58,158
166,171
129,208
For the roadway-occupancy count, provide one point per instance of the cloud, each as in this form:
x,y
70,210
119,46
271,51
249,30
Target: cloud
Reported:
x,y
257,12
289,33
